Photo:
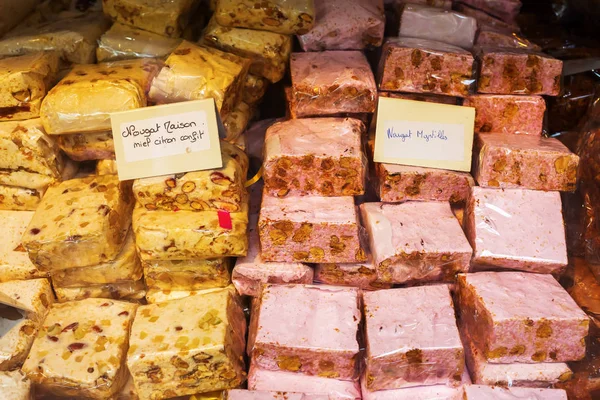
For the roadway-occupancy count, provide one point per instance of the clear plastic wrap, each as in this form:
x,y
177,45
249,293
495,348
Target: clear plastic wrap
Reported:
x,y
80,223
237,121
485,21
237,154
501,39
255,138
281,16
508,113
84,99
19,199
13,12
315,156
80,349
14,385
506,10
360,275
106,167
122,42
521,317
332,82
408,248
310,229
516,229
412,338
254,89
187,274
425,66
167,18
524,161
88,146
480,392
14,260
195,344
196,72
566,111
345,25
133,291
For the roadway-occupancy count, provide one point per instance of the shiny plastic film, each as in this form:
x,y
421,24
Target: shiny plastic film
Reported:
x,y
132,291
360,275
253,89
187,274
504,39
106,167
506,10
15,386
88,146
237,121
568,110
19,199
487,22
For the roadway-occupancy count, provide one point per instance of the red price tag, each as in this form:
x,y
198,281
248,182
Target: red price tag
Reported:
x,y
225,219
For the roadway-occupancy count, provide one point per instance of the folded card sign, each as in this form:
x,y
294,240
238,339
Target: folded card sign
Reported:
x,y
424,134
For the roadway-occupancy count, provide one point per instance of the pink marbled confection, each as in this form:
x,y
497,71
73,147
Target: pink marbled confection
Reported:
x,y
489,36
241,394
428,98
416,241
516,229
480,392
360,275
515,71
318,337
315,156
506,10
518,317
524,161
412,338
425,66
508,113
332,82
310,229
280,381
399,183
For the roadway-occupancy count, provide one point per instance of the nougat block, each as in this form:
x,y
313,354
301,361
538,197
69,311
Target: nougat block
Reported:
x,y
88,146
80,223
480,392
416,241
524,161
81,347
345,25
269,51
14,385
515,71
188,235
432,392
445,4
84,99
399,183
361,275
281,16
165,18
332,82
239,155
517,317
239,394
19,199
412,338
508,113
187,274
106,167
195,72
516,229
24,81
506,10
237,121
133,291
155,296
192,345
324,341
253,89
33,297
425,66
14,260
310,229
488,36
315,156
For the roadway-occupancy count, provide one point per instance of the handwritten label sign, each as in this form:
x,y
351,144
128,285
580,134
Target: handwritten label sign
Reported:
x,y
424,134
167,139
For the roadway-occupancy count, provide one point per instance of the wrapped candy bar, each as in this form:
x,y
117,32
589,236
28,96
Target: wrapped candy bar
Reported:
x,y
24,81
268,51
156,296
195,72
345,25
315,156
187,274
360,275
504,39
238,394
480,392
508,113
80,223
14,261
237,121
125,290
80,349
506,10
106,167
88,146
313,343
524,161
516,229
399,183
164,18
408,248
517,71
254,89
425,66
19,199
412,338
122,42
281,16
517,317
187,346
14,385
437,24
310,229
332,82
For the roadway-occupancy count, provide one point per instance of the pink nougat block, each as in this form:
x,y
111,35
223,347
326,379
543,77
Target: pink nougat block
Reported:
x,y
508,113
310,229
515,71
516,229
480,392
399,183
524,161
239,394
280,381
360,275
416,241
319,336
332,82
489,36
425,66
315,156
517,317
412,338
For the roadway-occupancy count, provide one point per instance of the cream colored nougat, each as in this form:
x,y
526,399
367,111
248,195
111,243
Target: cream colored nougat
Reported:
x,y
14,261
32,296
127,290
14,385
187,274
